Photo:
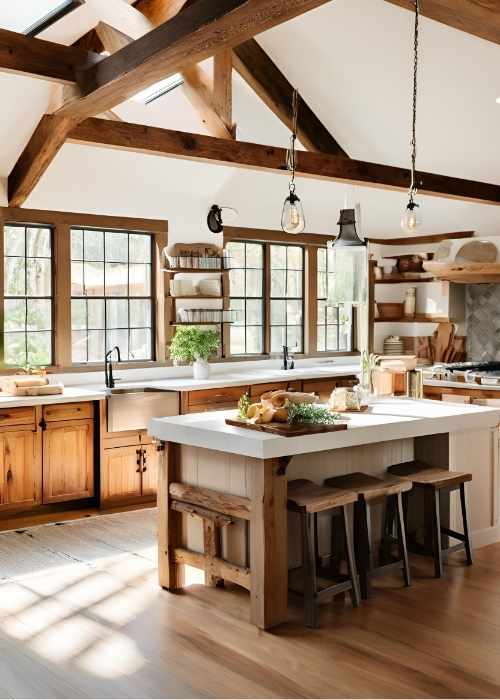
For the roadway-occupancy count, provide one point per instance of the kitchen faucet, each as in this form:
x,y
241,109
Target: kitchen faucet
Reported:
x,y
108,367
288,361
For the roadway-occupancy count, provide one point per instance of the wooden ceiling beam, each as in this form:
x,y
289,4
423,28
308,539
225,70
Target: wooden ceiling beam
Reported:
x,y
159,11
269,83
480,18
200,31
43,59
197,86
48,138
178,144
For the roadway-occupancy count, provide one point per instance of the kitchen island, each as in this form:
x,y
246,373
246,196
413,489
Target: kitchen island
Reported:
x,y
246,473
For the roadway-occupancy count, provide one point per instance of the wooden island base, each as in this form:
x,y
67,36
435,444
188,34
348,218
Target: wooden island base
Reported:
x,y
251,493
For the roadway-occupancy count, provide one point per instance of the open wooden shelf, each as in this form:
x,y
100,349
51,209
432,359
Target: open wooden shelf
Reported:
x,y
419,318
200,323
196,296
197,270
402,280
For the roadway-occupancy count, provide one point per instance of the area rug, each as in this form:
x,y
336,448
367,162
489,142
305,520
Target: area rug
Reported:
x,y
87,541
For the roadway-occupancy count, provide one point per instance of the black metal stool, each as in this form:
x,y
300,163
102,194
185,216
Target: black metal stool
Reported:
x,y
369,489
309,500
433,480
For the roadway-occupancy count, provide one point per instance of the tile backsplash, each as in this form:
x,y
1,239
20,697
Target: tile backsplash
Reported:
x,y
482,313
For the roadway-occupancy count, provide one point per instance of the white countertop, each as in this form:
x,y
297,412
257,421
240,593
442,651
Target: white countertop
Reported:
x,y
387,419
70,394
97,392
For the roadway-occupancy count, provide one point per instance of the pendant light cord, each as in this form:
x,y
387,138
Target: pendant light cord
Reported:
x,y
291,161
413,188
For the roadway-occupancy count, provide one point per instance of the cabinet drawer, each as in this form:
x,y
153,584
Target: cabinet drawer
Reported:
x,y
17,416
68,411
215,397
257,390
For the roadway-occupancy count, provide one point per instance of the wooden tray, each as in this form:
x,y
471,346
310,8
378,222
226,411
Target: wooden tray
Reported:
x,y
285,430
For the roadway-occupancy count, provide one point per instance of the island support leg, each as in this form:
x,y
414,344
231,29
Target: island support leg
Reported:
x,y
268,544
170,574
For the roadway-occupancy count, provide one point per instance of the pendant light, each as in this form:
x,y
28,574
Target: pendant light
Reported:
x,y
348,260
292,218
411,218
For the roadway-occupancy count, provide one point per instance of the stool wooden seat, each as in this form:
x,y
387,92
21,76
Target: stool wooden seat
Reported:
x,y
434,480
368,489
310,500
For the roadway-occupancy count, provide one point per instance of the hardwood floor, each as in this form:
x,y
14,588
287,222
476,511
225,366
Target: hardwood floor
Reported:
x,y
101,628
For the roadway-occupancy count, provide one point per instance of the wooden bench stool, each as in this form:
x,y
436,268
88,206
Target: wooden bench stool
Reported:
x,y
369,489
309,500
433,480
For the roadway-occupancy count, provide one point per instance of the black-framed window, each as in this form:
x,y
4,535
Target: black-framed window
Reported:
x,y
334,323
286,297
111,294
28,308
246,289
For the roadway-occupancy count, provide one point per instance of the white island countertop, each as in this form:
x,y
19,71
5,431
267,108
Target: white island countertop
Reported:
x,y
387,419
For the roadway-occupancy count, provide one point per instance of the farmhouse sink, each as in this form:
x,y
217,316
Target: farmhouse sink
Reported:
x,y
131,408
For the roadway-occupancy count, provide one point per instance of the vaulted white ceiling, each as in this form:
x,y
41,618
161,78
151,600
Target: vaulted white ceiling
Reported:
x,y
351,60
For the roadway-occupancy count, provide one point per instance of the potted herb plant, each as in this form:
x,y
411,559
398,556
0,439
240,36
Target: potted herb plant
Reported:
x,y
195,346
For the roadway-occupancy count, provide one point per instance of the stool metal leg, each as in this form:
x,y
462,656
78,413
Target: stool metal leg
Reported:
x,y
353,574
436,532
465,520
387,531
309,571
403,550
363,540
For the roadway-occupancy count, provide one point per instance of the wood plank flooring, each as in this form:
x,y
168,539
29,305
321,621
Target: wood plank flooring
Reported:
x,y
99,627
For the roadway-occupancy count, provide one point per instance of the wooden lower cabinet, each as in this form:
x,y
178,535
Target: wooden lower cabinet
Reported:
x,y
20,469
129,474
68,461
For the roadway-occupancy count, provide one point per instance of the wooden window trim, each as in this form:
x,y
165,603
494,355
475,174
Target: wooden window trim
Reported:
x,y
61,223
311,242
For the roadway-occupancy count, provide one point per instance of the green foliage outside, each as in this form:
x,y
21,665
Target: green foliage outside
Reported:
x,y
191,343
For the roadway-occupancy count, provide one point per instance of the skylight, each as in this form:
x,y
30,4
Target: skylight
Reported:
x,y
33,15
159,89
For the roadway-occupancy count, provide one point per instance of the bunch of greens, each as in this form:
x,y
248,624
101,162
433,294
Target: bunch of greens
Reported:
x,y
243,405
190,344
310,413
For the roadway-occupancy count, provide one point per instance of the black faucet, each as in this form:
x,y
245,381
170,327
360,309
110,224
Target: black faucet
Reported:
x,y
108,367
288,361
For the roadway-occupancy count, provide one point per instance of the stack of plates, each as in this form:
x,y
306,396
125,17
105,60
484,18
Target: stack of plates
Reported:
x,y
394,345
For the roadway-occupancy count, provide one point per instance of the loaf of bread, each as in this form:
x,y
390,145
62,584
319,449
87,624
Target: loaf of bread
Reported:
x,y
279,399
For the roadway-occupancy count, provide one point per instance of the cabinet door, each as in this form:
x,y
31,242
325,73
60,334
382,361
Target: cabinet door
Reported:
x,y
20,474
121,474
149,470
68,461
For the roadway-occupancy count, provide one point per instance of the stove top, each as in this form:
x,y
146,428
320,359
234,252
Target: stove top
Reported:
x,y
471,372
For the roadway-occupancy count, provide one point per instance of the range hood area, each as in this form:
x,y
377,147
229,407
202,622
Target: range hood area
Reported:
x,y
474,261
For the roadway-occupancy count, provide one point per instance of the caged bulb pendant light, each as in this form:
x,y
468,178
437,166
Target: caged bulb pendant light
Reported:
x,y
292,217
411,218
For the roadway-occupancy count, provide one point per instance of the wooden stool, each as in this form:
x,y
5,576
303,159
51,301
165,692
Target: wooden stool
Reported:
x,y
309,500
433,480
369,489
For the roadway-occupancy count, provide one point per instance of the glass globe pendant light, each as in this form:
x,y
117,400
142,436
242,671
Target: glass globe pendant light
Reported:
x,y
412,217
292,217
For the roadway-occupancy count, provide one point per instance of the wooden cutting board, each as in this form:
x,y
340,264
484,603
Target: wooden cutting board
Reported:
x,y
285,430
444,333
